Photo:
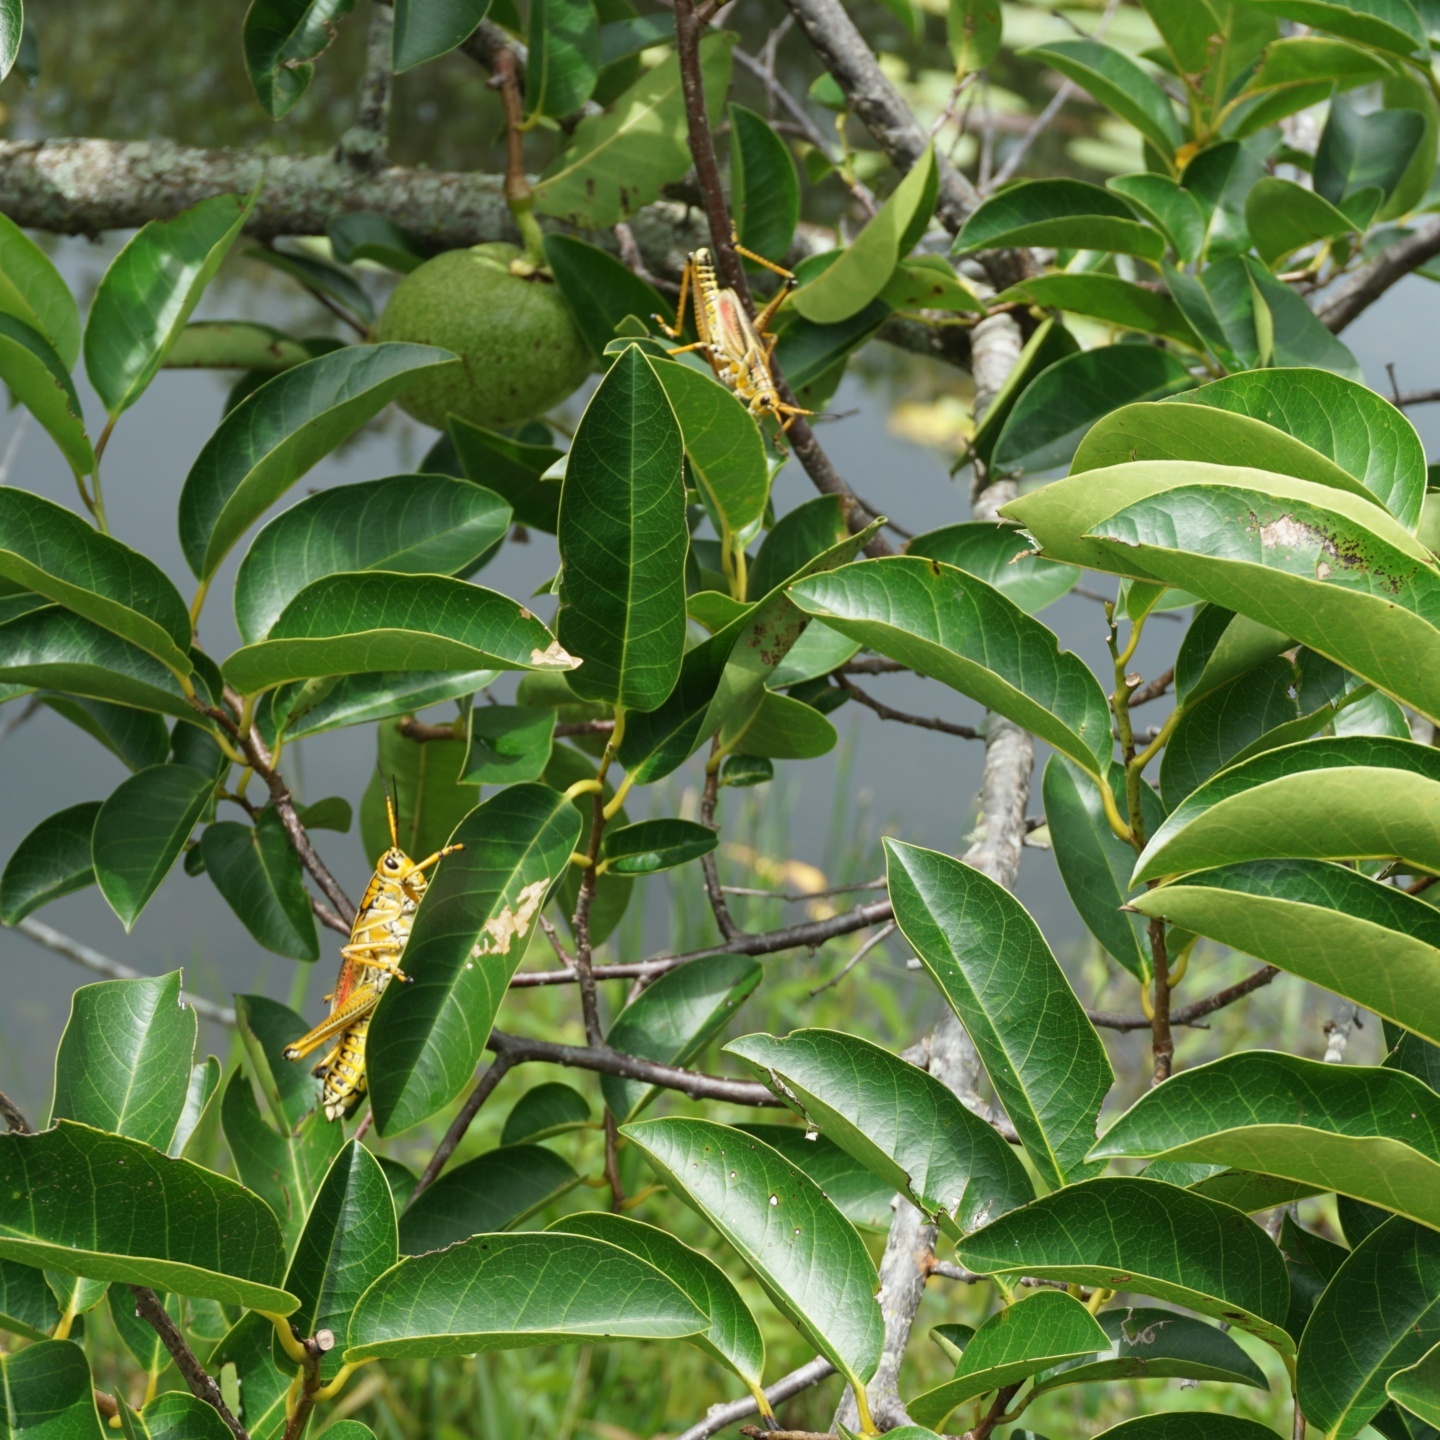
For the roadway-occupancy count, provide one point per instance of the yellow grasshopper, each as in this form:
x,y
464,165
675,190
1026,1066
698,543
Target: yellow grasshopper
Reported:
x,y
738,348
367,965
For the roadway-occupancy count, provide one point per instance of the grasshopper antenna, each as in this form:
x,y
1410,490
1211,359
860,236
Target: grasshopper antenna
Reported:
x,y
392,809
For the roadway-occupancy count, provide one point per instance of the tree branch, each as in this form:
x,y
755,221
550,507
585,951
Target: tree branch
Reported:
x,y
365,143
149,1308
1357,292
461,1123
885,712
1188,1014
720,1417
713,888
11,1114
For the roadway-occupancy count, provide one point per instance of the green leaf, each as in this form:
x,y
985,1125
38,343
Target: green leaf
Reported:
x,y
543,1111
1379,1315
1013,1344
47,1387
623,541
427,1036
1292,334
1417,1387
1341,798
1001,556
377,620
954,627
507,743
266,1028
427,29
140,831
1149,1343
733,1337
620,161
1166,204
286,1169
234,345
268,441
1284,217
651,845
1300,71
51,861
1118,83
319,277
85,1203
992,965
199,1116
860,1195
1187,1425
897,1120
31,288
797,537
1054,412
333,703
764,183
366,235
178,1416
51,647
673,1019
1390,25
723,445
149,292
512,470
502,1292
1072,213
36,378
783,728
136,737
599,290
1260,906
1147,1238
347,1244
409,524
1094,863
974,29
927,282
282,39
1108,298
564,57
257,871
1312,1263
124,1059
866,265
27,1304
490,1193
810,1260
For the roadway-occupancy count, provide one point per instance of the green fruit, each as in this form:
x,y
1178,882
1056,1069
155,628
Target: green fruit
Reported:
x,y
519,350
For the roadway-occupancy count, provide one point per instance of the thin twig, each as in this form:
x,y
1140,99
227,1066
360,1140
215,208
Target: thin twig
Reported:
x,y
797,897
996,1412
149,1309
1360,290
461,1123
62,944
1188,1014
14,721
720,1417
1152,689
1405,398
872,665
887,712
714,891
327,917
612,1163
12,1115
878,938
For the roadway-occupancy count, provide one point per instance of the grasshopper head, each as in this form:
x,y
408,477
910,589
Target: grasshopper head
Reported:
x,y
394,864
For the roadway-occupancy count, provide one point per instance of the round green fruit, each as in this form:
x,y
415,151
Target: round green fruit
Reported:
x,y
520,353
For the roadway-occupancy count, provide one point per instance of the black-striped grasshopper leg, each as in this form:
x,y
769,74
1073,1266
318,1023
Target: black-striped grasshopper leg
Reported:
x,y
368,963
738,349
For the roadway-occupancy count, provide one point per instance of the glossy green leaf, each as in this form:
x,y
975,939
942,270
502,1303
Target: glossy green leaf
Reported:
x,y
47,1387
377,620
137,738
897,1120
1187,1425
1148,1238
149,292
467,940
507,744
974,30
408,524
1417,1387
599,290
320,277
35,377
1166,204
285,1169
501,1292
991,963
723,445
1284,217
490,1193
427,29
809,1258
234,345
1013,1344
140,831
673,1019
1072,213
813,357
1288,330
27,1304
1379,1315
178,1416
623,541
51,861
861,1196
1312,1262
82,1202
1094,863
347,1244
1148,1343
1323,922
261,1385
619,161
733,1337
954,627
268,441
290,1091
257,871
124,1059
651,845
1118,83
765,185
783,728
1057,409
612,892
797,537
32,290
1111,300
867,263
55,648
564,56
367,235
512,470
199,1116
338,701
1373,1134
282,39
927,282
543,1111
1362,157
1334,798
1000,556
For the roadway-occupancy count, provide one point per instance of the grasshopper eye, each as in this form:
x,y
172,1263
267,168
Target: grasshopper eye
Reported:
x,y
391,863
